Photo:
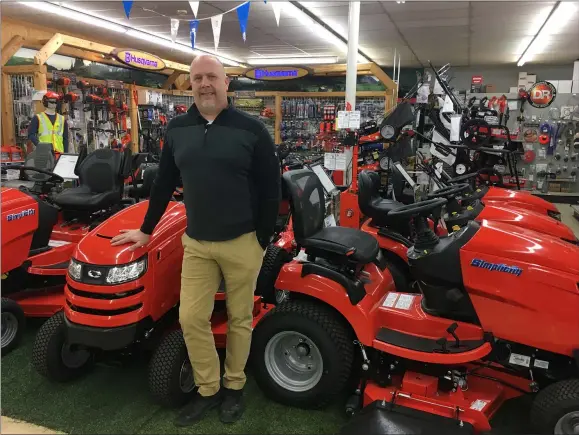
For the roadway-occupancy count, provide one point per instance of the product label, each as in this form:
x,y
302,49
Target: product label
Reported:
x,y
404,302
541,364
520,360
390,300
478,405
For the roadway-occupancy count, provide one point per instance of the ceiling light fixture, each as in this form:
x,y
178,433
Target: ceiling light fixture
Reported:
x,y
302,60
81,15
555,21
319,30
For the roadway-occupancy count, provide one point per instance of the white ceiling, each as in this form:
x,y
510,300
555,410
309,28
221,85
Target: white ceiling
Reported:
x,y
462,33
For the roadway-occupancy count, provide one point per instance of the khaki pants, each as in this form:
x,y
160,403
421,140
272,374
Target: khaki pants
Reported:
x,y
204,263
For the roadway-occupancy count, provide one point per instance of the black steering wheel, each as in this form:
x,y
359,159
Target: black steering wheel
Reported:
x,y
420,208
463,177
449,191
54,178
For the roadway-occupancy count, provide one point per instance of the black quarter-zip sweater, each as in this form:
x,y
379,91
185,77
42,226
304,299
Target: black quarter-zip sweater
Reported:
x,y
230,173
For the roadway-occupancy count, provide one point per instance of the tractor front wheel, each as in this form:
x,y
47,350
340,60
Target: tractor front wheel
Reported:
x,y
171,380
302,354
54,358
13,324
555,409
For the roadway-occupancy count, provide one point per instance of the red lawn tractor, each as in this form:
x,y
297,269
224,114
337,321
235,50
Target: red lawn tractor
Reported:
x,y
497,317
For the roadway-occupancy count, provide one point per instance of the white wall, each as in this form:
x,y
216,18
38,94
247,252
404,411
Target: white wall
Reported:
x,y
505,77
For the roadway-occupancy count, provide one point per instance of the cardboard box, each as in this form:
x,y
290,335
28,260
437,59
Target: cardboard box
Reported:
x,y
554,187
523,75
565,189
491,88
531,78
514,90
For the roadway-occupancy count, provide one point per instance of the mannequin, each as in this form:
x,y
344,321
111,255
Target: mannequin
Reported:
x,y
49,125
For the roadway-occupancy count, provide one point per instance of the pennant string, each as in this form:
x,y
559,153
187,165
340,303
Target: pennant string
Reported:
x,y
189,19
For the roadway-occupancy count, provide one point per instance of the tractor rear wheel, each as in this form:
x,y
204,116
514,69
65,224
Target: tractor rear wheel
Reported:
x,y
302,354
273,260
171,380
13,325
555,409
54,358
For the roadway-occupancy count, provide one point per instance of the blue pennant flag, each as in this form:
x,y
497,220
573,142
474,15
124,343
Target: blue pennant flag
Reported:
x,y
128,4
242,16
193,31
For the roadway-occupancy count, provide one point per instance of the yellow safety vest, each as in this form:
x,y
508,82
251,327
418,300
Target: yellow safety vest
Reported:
x,y
49,133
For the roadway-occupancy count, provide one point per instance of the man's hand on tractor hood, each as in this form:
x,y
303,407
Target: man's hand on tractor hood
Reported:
x,y
137,237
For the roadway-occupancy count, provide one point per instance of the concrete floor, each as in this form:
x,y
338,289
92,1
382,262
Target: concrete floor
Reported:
x,y
568,218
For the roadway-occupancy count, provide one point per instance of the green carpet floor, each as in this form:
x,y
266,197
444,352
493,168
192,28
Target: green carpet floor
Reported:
x,y
116,400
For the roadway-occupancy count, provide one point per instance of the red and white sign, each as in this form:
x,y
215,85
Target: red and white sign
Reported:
x,y
477,80
542,94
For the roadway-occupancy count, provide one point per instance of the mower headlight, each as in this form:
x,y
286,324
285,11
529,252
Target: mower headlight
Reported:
x,y
74,269
127,272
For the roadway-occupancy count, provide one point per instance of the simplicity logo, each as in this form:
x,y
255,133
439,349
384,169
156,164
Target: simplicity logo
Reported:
x,y
513,270
261,73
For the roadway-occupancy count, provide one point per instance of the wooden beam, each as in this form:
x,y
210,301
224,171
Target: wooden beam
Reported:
x,y
39,85
48,49
10,48
383,77
8,136
20,69
182,82
171,79
278,117
134,117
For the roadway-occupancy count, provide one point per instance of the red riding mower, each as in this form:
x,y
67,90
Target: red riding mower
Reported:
x,y
120,302
42,223
481,332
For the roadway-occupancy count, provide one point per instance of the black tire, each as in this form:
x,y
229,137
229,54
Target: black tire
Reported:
x,y
554,402
273,260
165,371
326,330
13,325
401,278
49,350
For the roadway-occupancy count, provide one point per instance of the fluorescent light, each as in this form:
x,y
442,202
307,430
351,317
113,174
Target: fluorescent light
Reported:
x,y
74,15
81,15
302,60
563,12
318,29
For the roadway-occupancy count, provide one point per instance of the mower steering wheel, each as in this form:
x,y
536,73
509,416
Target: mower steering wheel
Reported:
x,y
449,191
421,208
54,178
463,177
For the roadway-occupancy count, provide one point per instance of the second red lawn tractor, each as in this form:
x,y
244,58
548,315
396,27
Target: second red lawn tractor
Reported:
x,y
42,224
122,303
497,317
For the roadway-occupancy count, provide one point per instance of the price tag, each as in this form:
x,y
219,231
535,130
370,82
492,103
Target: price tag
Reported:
x,y
355,118
343,119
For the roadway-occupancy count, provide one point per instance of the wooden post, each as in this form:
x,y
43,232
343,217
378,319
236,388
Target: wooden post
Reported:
x,y
171,79
8,136
11,48
134,115
39,85
278,119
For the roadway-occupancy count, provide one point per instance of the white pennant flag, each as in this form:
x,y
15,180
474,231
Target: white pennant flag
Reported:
x,y
194,8
216,24
174,29
276,6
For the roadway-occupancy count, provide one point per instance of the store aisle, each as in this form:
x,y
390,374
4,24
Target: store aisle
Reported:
x,y
567,217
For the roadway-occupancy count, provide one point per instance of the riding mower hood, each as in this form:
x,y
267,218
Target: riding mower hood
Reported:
x,y
480,333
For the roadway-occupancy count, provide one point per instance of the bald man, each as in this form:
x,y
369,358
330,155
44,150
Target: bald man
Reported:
x,y
232,188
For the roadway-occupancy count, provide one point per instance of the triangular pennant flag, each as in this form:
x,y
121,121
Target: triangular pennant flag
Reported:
x,y
128,5
242,16
193,31
216,24
276,6
194,8
174,29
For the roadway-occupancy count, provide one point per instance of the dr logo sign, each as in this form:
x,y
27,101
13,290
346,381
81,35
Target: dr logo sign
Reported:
x,y
542,94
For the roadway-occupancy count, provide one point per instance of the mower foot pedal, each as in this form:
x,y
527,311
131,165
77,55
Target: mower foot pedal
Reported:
x,y
381,419
424,344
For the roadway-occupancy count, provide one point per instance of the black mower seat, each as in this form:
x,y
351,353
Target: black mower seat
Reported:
x,y
308,209
360,247
101,183
149,172
371,203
